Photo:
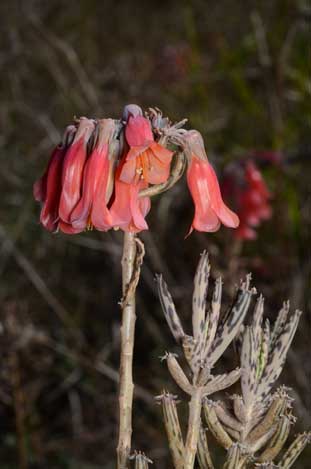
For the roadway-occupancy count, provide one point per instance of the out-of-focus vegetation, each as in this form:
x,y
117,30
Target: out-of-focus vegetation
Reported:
x,y
240,72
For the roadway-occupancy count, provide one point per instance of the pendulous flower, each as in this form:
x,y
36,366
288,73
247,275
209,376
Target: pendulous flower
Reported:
x,y
145,162
210,209
98,182
146,159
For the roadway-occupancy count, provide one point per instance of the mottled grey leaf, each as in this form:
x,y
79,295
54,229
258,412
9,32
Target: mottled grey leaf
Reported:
x,y
226,417
204,457
199,295
220,382
215,426
279,323
264,350
188,345
278,441
169,310
172,427
233,457
213,316
178,374
295,450
228,329
277,356
257,320
249,355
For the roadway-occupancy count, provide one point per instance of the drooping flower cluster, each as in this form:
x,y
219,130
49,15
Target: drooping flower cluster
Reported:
x,y
245,185
97,177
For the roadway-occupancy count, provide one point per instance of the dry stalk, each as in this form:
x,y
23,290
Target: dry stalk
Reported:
x,y
131,262
193,428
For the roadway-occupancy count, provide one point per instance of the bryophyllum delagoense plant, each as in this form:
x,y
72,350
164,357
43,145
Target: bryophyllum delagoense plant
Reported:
x,y
252,426
103,172
102,176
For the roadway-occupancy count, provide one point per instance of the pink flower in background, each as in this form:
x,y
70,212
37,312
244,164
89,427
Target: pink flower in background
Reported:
x,y
210,209
247,187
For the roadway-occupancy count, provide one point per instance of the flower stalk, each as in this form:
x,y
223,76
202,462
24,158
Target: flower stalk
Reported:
x,y
131,261
193,432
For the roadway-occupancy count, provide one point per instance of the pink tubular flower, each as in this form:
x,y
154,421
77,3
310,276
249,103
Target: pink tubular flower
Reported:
x,y
146,159
47,189
73,167
210,210
253,201
91,209
128,210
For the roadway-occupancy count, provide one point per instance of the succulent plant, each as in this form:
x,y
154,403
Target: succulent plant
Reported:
x,y
252,426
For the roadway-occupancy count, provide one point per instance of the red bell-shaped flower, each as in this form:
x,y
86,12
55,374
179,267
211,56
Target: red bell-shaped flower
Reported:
x,y
210,209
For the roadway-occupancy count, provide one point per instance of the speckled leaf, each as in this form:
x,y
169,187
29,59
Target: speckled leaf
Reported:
x,y
277,442
220,382
228,329
178,374
199,295
279,323
249,355
141,460
204,457
294,450
233,457
257,320
213,316
172,427
169,309
278,355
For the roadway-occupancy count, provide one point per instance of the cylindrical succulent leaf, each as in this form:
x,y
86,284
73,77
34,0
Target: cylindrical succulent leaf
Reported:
x,y
199,294
141,460
220,382
279,323
169,310
277,356
233,457
295,450
278,441
172,426
213,316
215,426
204,457
231,324
178,374
280,402
226,417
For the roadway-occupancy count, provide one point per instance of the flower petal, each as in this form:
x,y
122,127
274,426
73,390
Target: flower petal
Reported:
x,y
95,174
138,131
159,163
73,169
226,216
49,211
128,210
205,219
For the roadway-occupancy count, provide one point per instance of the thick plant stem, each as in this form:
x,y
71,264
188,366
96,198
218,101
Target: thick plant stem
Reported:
x,y
127,347
194,424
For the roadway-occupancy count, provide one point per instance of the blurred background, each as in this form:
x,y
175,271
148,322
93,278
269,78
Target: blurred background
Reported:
x,y
240,72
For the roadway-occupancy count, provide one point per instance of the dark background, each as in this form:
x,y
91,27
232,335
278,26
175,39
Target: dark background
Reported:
x,y
239,71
